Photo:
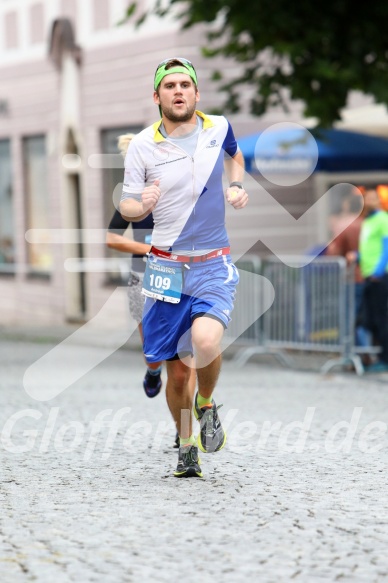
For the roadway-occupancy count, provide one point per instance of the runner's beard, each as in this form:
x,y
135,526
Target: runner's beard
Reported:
x,y
183,116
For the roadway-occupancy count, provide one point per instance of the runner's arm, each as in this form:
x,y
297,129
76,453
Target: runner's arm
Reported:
x,y
125,245
235,167
137,210
115,238
235,170
132,210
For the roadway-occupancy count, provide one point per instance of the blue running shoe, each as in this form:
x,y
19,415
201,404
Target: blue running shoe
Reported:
x,y
152,384
378,366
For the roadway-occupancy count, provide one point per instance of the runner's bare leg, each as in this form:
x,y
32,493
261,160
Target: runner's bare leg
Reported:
x,y
206,336
179,394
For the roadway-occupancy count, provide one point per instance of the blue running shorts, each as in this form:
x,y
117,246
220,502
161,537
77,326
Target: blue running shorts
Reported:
x,y
208,290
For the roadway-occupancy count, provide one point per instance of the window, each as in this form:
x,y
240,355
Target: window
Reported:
x,y
7,231
36,24
101,14
68,9
112,183
11,30
37,204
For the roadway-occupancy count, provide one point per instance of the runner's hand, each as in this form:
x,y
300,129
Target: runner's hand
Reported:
x,y
150,196
236,196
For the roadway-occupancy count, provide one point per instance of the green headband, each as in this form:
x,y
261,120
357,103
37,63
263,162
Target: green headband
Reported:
x,y
162,72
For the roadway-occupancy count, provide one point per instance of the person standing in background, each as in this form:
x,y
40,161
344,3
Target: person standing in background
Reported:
x,y
372,257
345,242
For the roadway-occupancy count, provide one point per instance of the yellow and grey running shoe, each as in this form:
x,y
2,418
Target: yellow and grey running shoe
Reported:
x,y
188,463
211,437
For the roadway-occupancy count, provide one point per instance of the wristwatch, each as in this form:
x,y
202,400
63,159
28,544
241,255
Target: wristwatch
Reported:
x,y
238,184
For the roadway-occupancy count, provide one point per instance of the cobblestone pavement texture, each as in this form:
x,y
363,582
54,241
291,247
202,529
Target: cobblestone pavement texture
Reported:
x,y
306,502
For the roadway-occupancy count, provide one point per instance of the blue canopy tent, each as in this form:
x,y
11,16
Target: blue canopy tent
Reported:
x,y
329,150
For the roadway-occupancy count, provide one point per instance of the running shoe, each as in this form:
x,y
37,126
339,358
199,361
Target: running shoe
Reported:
x,y
378,366
152,384
211,437
188,463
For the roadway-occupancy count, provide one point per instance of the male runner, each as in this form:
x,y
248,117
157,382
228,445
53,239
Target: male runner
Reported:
x,y
174,169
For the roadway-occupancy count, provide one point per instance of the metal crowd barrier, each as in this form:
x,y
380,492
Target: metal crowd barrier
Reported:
x,y
313,310
247,292
250,292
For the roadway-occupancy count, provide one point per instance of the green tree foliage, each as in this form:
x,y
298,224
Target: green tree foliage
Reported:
x,y
316,52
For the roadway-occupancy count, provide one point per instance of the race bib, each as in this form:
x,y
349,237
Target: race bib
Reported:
x,y
162,282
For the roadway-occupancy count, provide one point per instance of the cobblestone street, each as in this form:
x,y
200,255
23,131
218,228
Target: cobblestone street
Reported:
x,y
299,493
